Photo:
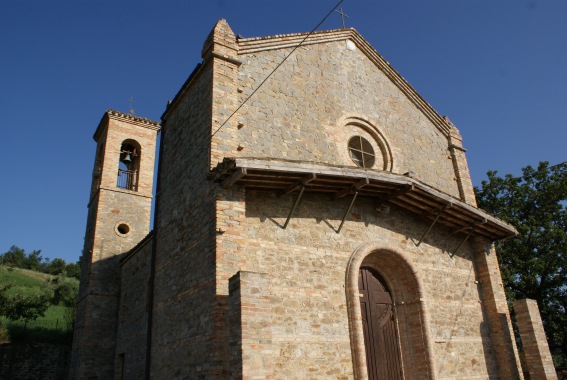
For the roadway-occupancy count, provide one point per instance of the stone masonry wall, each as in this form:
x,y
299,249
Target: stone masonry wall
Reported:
x,y
249,311
131,335
299,113
206,235
34,361
306,264
187,312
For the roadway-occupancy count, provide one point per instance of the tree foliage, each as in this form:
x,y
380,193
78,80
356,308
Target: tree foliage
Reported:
x,y
18,258
73,270
57,266
65,290
14,257
19,306
533,264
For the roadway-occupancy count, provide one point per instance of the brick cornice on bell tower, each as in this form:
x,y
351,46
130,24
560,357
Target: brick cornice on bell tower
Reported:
x,y
128,118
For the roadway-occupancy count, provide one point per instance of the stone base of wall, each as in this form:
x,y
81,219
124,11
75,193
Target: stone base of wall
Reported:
x,y
250,330
34,361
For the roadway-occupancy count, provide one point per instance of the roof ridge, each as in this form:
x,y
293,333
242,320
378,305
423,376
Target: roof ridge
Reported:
x,y
299,34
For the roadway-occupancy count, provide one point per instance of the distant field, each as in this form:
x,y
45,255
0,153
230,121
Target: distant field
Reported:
x,y
54,327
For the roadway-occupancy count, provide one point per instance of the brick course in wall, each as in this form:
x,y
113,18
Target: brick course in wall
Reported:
x,y
538,359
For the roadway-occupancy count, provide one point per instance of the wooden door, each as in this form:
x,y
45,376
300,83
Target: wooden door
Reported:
x,y
380,337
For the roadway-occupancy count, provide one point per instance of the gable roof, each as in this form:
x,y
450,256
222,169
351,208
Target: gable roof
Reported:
x,y
283,41
243,46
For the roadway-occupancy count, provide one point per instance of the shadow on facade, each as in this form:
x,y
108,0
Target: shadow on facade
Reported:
x,y
328,215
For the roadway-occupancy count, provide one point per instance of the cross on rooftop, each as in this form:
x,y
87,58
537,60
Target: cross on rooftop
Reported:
x,y
131,100
343,15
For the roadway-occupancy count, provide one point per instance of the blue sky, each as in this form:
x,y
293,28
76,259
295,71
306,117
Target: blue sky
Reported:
x,y
497,68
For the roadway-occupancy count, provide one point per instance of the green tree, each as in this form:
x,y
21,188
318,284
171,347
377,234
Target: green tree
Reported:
x,y
18,258
73,270
57,266
14,257
533,264
65,290
33,260
19,306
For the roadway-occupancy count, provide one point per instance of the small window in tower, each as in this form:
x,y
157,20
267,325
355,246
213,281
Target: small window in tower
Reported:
x,y
361,152
128,166
122,229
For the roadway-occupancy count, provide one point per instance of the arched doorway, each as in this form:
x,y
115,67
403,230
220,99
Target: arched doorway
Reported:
x,y
396,275
379,326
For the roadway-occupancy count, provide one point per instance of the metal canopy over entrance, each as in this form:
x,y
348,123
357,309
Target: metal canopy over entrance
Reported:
x,y
287,177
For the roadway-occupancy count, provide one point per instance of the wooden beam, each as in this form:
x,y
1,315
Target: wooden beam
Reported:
x,y
472,226
233,178
353,188
301,183
406,189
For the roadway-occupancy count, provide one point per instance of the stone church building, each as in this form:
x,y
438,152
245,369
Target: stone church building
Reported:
x,y
323,226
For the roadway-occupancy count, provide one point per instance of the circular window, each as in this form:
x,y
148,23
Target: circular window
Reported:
x,y
122,229
361,152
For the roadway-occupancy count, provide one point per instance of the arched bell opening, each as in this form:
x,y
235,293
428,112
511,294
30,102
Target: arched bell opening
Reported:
x,y
392,340
129,165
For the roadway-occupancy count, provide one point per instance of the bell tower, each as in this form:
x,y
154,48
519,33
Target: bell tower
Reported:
x,y
118,218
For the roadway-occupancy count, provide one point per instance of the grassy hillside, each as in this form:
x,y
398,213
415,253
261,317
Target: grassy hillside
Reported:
x,y
23,279
54,327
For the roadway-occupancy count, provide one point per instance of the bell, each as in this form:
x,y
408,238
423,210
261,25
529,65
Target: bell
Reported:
x,y
127,158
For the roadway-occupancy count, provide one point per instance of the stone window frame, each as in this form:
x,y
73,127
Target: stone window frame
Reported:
x,y
120,225
406,288
352,126
364,151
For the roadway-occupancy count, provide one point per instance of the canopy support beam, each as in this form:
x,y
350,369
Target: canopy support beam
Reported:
x,y
349,190
348,210
302,182
404,190
439,212
294,207
472,228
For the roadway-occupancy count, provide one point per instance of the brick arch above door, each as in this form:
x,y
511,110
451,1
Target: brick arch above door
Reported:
x,y
407,292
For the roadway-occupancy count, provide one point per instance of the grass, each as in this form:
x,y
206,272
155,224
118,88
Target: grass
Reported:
x,y
51,328
23,280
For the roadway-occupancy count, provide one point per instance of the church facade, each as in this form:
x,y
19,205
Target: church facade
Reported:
x,y
322,225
